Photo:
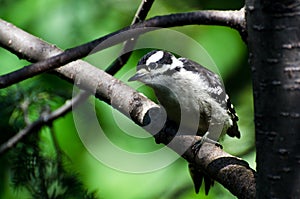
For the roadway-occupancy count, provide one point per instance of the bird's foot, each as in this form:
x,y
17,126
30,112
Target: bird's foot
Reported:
x,y
196,147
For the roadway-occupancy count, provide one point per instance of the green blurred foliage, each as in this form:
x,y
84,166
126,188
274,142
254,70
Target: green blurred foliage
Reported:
x,y
69,23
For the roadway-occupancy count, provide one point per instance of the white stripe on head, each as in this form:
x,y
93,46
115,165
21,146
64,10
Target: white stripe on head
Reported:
x,y
176,62
155,57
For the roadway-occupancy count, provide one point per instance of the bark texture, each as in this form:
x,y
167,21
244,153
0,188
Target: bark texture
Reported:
x,y
274,53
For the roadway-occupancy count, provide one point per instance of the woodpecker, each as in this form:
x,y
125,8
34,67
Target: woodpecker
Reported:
x,y
193,97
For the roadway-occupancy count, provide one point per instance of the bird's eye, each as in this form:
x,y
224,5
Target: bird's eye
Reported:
x,y
177,68
152,65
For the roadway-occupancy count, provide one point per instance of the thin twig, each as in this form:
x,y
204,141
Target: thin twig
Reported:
x,y
142,11
45,118
56,147
233,19
128,46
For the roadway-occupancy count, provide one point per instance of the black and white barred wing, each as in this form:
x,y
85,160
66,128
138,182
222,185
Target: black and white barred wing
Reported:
x,y
214,85
216,90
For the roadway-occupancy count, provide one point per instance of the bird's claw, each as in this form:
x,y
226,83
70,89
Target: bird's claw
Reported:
x,y
196,146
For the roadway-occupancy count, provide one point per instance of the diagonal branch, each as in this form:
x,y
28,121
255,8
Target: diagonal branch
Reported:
x,y
233,19
140,15
45,118
231,172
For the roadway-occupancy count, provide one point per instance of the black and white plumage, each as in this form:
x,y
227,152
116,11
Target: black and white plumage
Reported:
x,y
193,97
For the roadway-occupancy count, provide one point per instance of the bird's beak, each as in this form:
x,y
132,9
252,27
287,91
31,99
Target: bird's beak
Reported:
x,y
135,77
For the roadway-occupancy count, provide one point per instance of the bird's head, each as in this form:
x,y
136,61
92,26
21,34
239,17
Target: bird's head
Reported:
x,y
152,66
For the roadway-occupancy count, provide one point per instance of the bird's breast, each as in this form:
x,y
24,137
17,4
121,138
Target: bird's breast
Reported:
x,y
184,109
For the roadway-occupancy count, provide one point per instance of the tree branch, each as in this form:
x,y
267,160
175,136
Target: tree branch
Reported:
x,y
230,171
45,118
125,54
233,19
140,15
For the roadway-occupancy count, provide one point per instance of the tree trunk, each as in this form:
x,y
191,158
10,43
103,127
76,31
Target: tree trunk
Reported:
x,y
274,54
